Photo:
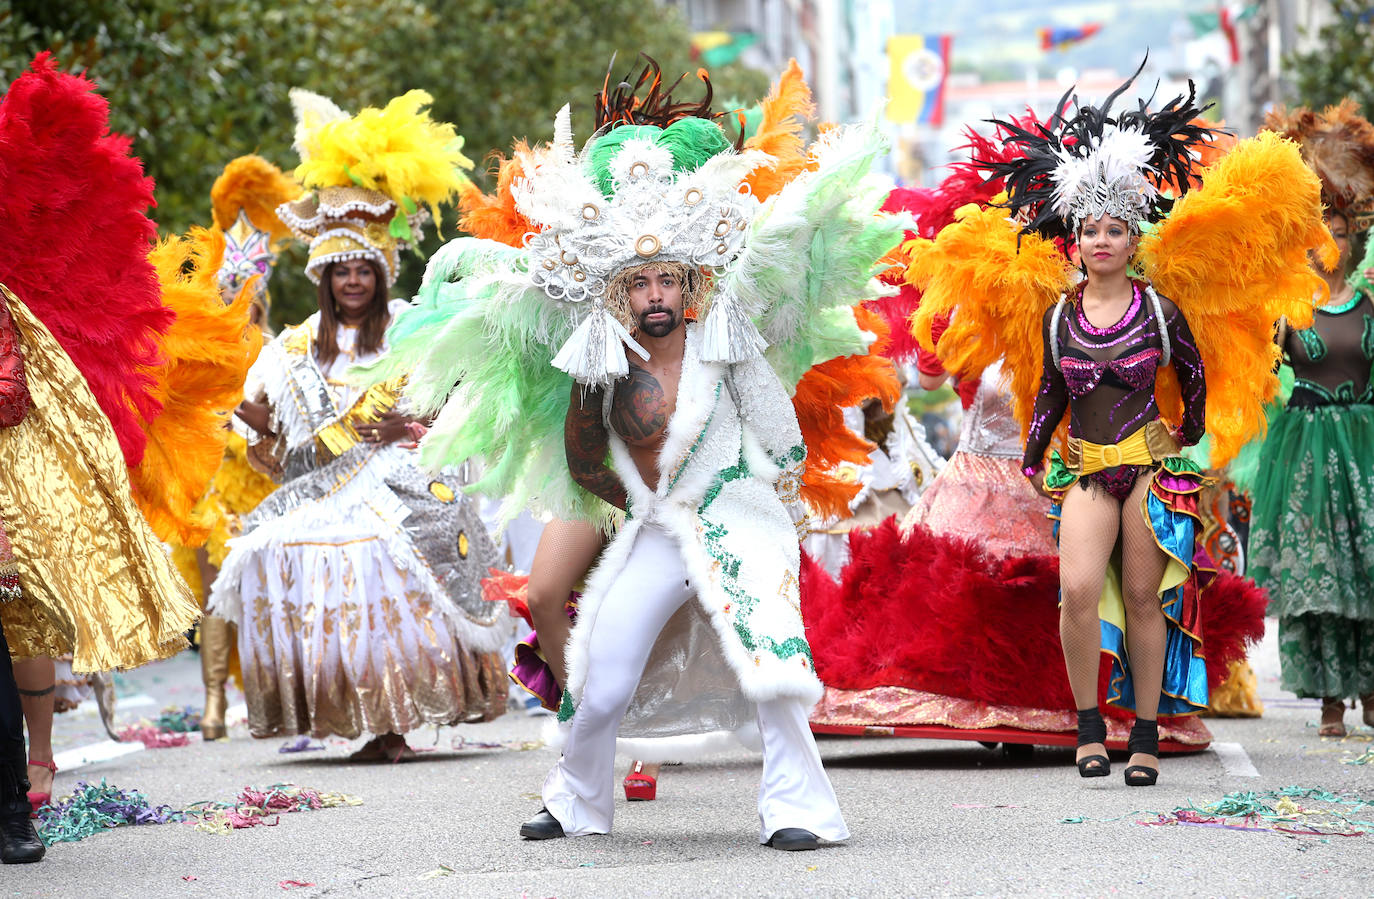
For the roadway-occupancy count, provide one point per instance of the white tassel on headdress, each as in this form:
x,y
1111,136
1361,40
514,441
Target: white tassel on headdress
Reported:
x,y
727,334
595,353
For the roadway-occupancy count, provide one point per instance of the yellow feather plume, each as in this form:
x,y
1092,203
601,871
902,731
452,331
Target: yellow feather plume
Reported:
x,y
398,150
256,186
1233,256
206,353
994,294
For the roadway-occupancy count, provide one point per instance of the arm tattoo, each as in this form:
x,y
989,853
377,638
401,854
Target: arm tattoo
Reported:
x,y
586,443
639,409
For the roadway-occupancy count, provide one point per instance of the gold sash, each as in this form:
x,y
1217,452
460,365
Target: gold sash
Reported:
x,y
1147,446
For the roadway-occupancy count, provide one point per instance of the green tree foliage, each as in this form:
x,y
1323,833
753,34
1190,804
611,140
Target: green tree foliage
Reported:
x,y
1342,63
198,82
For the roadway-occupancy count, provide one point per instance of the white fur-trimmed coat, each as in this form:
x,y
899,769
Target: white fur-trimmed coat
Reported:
x,y
731,461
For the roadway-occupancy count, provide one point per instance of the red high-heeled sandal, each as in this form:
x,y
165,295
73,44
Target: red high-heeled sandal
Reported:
x,y
38,800
640,787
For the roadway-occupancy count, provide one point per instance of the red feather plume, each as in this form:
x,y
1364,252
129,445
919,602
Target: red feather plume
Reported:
x,y
76,236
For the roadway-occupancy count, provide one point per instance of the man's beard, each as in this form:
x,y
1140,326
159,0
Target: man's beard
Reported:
x,y
661,328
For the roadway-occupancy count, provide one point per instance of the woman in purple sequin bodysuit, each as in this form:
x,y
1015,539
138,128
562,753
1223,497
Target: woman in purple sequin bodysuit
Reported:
x,y
1104,348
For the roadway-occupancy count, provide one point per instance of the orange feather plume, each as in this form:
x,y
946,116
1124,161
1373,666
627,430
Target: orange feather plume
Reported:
x,y
821,394
785,110
207,353
494,216
256,186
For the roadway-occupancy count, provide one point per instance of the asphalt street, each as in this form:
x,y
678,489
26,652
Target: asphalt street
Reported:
x,y
929,818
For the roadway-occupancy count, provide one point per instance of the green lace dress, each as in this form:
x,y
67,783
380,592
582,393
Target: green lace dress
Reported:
x,y
1312,531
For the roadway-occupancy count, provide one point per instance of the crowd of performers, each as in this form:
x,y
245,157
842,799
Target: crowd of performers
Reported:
x,y
683,346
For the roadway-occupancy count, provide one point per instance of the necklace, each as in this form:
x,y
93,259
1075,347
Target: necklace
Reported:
x,y
1355,297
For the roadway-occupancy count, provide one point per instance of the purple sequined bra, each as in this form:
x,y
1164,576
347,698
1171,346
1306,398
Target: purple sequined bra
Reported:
x,y
1133,372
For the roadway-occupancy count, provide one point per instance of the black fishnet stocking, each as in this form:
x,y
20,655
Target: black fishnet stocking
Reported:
x,y
566,551
1090,525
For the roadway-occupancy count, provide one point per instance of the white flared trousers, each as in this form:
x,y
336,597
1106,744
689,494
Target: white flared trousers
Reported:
x,y
579,791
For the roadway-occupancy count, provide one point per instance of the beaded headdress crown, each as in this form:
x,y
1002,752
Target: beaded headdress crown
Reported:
x,y
659,182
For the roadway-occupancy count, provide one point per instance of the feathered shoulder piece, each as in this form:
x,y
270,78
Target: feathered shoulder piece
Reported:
x,y
1338,144
1092,162
1233,255
207,353
74,224
934,208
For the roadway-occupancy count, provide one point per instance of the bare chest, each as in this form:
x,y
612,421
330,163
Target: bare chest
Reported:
x,y
643,405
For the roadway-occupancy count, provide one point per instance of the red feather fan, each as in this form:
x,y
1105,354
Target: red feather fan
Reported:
x,y
76,236
937,614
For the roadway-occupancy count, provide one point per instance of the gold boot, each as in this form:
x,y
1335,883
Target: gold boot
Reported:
x,y
215,636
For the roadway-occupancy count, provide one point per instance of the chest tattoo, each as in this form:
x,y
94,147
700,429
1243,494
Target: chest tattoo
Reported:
x,y
640,408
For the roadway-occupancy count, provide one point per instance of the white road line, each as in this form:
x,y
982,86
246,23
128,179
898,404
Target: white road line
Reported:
x,y
96,752
1235,760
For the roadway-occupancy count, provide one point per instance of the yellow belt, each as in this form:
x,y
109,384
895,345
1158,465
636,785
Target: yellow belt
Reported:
x,y
1150,444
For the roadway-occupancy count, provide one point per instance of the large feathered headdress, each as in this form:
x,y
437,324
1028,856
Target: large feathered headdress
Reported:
x,y
658,182
245,198
1337,144
1092,163
371,175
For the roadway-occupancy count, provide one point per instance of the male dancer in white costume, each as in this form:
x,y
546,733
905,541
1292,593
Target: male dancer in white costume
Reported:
x,y
722,448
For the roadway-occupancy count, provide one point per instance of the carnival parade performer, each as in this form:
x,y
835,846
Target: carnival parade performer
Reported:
x,y
826,393
129,364
947,628
651,223
356,585
1125,358
1312,532
244,199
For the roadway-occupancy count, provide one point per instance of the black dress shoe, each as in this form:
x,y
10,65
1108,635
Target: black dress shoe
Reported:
x,y
794,839
542,826
21,843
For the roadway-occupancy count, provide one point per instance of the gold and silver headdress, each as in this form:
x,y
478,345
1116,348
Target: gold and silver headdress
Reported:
x,y
659,182
370,177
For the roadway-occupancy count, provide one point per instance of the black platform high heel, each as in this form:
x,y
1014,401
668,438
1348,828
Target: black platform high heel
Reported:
x,y
1092,729
1144,739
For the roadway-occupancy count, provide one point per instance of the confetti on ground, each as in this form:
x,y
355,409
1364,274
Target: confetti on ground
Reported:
x,y
182,720
254,807
91,809
441,871
1291,811
461,743
1366,759
151,736
293,884
189,877
301,744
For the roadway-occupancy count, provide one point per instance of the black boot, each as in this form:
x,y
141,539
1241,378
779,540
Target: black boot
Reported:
x,y
21,843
